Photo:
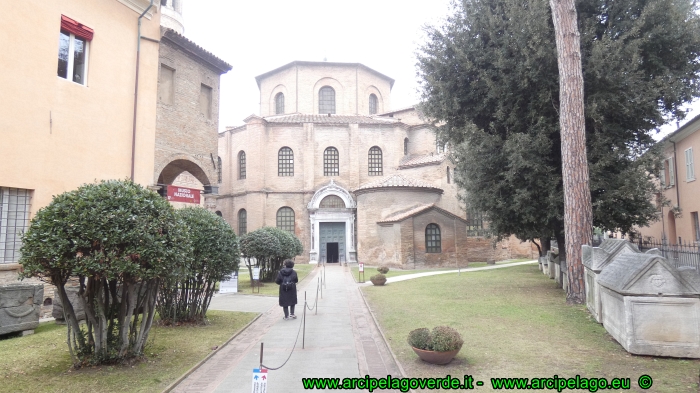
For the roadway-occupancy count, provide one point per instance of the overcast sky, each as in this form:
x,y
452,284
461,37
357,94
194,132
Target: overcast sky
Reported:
x,y
259,36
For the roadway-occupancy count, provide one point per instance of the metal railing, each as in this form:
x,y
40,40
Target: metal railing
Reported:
x,y
684,254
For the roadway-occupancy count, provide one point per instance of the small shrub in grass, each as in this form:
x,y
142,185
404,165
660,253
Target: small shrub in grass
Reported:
x,y
441,339
378,279
419,338
383,269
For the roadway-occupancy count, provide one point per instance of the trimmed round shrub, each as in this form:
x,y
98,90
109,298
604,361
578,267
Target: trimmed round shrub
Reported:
x,y
117,240
445,338
378,279
419,338
383,269
267,248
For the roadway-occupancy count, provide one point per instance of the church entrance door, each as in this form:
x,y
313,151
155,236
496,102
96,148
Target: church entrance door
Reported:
x,y
332,241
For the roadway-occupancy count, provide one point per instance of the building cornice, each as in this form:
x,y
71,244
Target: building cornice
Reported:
x,y
260,77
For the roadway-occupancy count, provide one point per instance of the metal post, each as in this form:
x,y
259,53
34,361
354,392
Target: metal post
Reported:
x,y
303,335
261,355
317,285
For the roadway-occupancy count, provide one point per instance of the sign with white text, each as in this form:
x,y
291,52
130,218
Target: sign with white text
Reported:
x,y
183,194
230,286
259,380
256,273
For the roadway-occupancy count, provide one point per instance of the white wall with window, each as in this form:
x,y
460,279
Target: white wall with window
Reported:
x,y
73,50
14,220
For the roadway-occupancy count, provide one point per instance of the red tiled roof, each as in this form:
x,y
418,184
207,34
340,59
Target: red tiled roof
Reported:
x,y
398,181
325,119
428,159
400,216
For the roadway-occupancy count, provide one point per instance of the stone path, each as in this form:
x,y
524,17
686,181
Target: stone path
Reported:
x,y
342,339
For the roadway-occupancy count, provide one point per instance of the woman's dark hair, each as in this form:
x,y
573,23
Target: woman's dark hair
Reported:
x,y
288,263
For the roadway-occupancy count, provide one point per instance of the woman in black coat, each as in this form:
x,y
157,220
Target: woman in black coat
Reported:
x,y
287,279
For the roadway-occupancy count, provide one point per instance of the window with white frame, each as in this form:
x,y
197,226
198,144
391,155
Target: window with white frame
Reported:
x,y
689,169
696,226
668,177
14,220
73,45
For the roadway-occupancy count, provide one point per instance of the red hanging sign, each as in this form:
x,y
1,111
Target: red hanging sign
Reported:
x,y
183,194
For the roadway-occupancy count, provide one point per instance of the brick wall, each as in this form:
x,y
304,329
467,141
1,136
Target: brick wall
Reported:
x,y
182,130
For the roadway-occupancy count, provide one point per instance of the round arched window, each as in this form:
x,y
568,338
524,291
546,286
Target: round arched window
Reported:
x,y
332,202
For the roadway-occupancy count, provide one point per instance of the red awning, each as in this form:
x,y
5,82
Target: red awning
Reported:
x,y
76,28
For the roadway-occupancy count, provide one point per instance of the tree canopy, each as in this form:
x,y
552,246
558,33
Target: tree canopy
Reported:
x,y
489,79
267,248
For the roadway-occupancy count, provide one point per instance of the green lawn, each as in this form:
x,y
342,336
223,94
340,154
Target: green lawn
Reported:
x,y
515,323
268,288
41,362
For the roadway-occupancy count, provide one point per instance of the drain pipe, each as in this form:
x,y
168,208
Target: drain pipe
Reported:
x,y
675,175
136,93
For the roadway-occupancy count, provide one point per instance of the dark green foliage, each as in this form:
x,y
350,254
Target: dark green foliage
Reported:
x,y
441,339
267,248
490,79
419,338
383,269
215,256
116,240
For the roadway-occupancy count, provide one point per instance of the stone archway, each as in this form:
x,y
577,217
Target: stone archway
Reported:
x,y
174,168
180,166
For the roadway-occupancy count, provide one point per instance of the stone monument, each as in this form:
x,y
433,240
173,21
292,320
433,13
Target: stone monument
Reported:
x,y
649,306
20,305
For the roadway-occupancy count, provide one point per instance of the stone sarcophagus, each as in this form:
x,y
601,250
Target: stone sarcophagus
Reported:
x,y
20,305
594,260
552,263
650,307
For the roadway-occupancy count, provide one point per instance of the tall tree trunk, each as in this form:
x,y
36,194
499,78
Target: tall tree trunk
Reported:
x,y
578,213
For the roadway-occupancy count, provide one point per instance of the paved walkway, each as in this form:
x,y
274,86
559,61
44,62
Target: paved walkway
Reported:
x,y
405,277
342,339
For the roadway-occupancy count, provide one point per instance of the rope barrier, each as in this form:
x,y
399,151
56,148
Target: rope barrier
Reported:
x,y
319,285
290,354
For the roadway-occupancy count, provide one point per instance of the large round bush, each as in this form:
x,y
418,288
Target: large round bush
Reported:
x,y
215,256
116,240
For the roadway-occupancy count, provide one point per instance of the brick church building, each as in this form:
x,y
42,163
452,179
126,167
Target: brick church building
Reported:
x,y
328,160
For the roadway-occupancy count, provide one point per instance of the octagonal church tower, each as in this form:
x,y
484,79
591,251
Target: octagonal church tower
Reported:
x,y
328,160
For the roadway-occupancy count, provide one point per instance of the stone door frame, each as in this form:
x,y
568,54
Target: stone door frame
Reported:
x,y
346,215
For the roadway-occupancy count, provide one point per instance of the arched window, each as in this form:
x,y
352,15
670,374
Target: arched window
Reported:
x,y
285,219
218,170
241,165
326,100
285,162
242,222
330,162
332,202
375,161
448,175
405,146
433,243
279,104
372,104
218,213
